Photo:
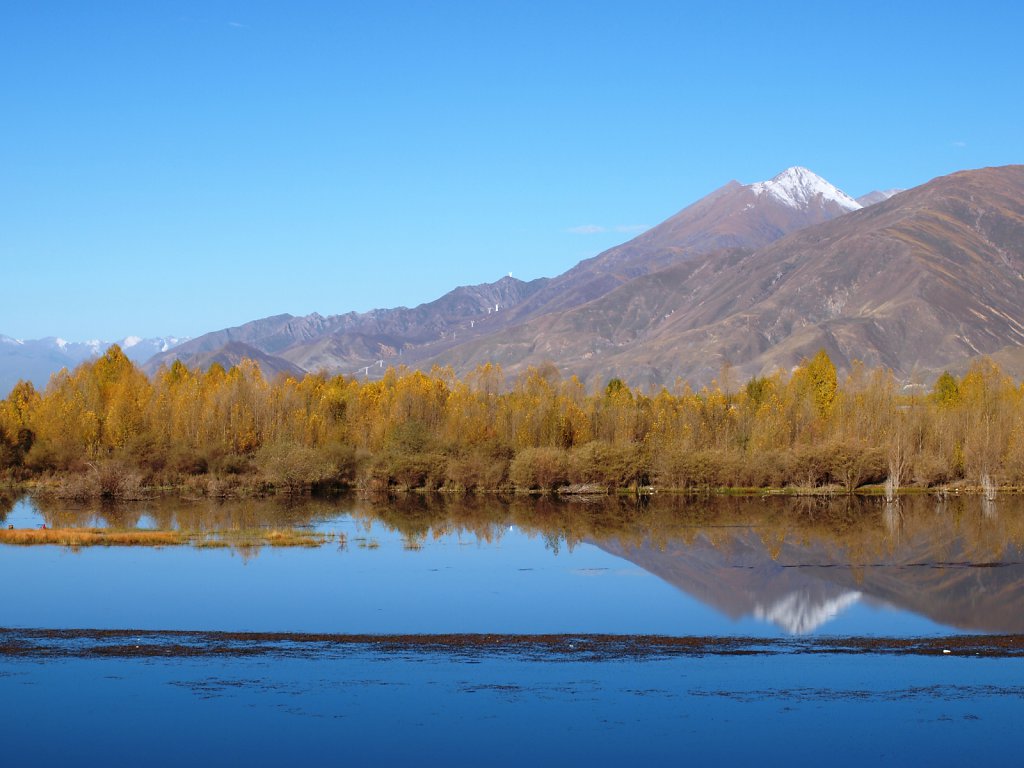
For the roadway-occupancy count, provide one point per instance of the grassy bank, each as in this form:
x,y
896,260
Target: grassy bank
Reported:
x,y
98,537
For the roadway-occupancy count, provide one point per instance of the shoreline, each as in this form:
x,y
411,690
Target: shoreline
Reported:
x,y
263,490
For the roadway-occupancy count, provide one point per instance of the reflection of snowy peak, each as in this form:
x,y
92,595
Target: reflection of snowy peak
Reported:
x,y
796,586
742,579
800,188
800,612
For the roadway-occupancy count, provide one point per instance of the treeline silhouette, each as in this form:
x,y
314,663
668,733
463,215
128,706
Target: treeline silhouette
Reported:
x,y
106,429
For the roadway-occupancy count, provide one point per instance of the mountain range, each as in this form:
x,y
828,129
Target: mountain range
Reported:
x,y
488,321
36,360
918,283
754,276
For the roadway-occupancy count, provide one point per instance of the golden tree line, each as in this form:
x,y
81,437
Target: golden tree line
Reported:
x,y
106,419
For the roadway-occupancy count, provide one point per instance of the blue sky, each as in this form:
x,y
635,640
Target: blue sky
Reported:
x,y
175,168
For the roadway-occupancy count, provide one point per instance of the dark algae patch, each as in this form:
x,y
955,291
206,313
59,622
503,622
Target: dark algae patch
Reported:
x,y
99,643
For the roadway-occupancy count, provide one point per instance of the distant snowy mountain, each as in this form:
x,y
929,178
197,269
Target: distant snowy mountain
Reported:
x,y
139,350
878,196
36,360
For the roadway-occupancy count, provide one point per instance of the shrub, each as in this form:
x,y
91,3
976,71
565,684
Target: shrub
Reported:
x,y
102,480
687,470
294,467
540,468
809,467
610,465
854,464
477,471
763,470
929,468
404,471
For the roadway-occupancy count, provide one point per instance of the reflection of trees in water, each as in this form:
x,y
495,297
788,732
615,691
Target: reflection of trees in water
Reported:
x,y
849,529
988,505
852,528
892,516
7,501
200,516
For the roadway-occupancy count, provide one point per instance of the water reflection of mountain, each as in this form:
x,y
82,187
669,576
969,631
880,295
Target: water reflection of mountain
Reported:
x,y
801,583
739,578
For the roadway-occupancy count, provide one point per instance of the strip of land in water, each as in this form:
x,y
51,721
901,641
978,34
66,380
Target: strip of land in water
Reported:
x,y
101,537
131,643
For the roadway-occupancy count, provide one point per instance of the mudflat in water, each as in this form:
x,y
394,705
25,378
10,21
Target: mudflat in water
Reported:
x,y
133,643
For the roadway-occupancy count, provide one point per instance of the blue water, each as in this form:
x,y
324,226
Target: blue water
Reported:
x,y
438,709
375,584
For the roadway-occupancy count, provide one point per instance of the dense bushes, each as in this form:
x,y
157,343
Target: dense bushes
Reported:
x,y
486,468
230,429
543,469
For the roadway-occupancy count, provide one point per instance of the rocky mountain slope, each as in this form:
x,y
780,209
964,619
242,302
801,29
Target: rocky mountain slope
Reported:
x,y
346,343
917,283
735,216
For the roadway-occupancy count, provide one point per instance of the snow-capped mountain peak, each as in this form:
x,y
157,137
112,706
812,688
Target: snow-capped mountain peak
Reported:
x,y
798,188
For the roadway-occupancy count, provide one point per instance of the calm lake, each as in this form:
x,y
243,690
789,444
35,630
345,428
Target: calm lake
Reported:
x,y
776,588
762,567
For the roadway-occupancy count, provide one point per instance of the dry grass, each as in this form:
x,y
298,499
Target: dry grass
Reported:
x,y
90,537
98,537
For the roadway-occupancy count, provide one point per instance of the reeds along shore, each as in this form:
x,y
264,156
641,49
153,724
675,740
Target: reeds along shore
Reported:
x,y
106,429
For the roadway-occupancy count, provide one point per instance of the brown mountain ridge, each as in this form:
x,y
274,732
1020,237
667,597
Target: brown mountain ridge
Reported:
x,y
917,283
756,276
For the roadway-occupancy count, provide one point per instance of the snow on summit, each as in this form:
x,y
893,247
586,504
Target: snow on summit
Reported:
x,y
798,187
